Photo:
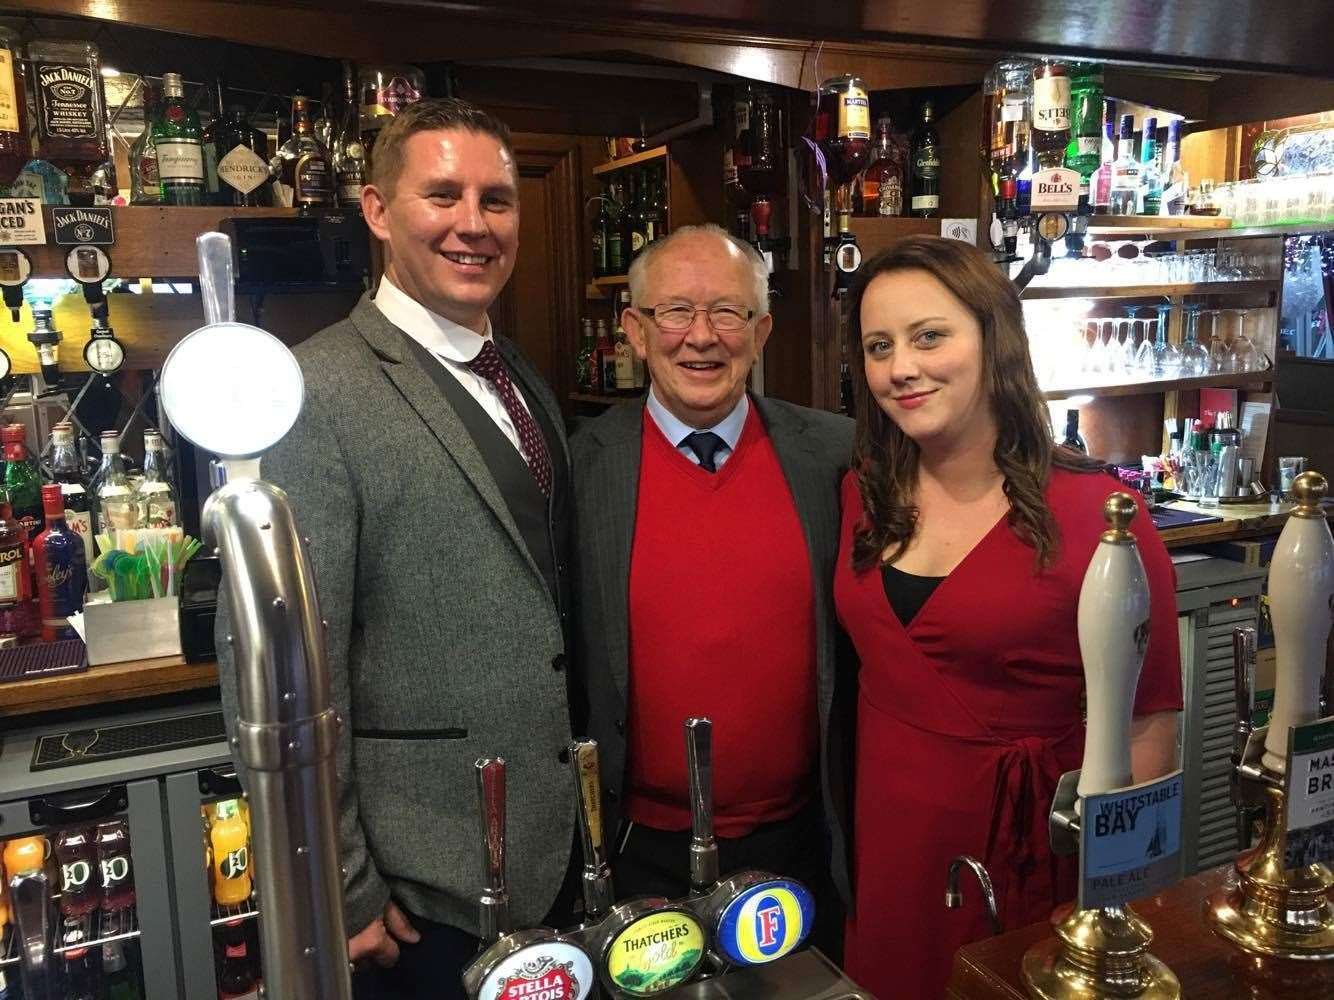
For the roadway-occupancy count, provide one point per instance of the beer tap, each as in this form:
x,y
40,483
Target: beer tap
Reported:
x,y
703,845
1243,676
596,881
1271,909
1102,951
46,339
494,904
954,896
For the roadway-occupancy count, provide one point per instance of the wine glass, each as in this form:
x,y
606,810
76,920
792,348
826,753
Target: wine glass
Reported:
x,y
1194,358
1242,355
1125,350
1218,349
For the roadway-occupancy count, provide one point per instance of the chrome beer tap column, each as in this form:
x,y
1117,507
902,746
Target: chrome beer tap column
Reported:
x,y
494,904
235,390
1275,910
1104,951
703,845
596,881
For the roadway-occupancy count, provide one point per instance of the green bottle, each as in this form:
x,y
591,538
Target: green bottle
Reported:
x,y
1084,151
586,361
179,142
23,480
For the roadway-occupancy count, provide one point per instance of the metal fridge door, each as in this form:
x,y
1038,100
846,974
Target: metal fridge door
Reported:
x,y
199,917
147,926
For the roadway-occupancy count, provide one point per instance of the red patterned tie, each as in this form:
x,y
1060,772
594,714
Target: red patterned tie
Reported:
x,y
491,366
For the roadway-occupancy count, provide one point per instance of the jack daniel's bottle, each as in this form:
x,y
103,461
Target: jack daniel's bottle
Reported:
x,y
71,111
304,177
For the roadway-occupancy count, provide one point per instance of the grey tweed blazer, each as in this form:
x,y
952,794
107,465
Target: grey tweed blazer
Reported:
x,y
442,634
814,449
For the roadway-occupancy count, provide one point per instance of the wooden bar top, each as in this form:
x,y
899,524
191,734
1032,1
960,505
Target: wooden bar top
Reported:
x,y
107,683
1239,521
1208,968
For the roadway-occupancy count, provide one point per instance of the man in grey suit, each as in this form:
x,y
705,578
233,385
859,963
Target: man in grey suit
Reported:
x,y
707,527
430,472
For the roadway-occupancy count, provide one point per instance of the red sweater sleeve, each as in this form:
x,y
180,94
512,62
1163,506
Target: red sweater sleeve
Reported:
x,y
1160,678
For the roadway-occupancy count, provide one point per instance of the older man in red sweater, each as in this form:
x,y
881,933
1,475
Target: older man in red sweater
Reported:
x,y
707,524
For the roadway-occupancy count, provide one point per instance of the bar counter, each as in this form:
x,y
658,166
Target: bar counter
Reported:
x,y
1208,968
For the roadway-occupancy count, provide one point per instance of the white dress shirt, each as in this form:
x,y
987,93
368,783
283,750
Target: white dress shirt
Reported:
x,y
676,431
454,346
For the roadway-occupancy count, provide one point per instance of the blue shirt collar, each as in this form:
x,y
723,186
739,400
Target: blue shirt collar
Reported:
x,y
676,431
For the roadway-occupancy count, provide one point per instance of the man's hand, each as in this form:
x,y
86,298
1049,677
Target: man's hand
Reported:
x,y
378,941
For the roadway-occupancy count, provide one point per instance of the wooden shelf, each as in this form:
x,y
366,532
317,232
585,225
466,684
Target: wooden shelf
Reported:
x,y
1155,224
151,241
633,160
876,234
1148,387
110,682
597,399
1033,293
1239,520
612,281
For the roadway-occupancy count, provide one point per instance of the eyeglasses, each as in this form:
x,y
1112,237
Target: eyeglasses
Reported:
x,y
676,318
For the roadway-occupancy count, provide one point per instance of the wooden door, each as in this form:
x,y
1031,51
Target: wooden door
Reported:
x,y
539,308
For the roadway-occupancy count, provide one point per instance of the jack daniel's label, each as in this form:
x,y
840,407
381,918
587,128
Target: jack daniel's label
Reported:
x,y
66,105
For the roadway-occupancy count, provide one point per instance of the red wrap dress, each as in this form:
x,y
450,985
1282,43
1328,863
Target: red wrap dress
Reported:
x,y
967,717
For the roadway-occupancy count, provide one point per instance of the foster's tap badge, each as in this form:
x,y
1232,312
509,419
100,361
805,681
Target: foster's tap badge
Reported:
x,y
655,953
765,922
550,970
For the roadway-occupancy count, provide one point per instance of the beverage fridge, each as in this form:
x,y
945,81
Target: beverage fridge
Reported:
x,y
127,862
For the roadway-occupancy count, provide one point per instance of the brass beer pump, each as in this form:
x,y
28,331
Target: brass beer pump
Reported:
x,y
1268,909
1104,951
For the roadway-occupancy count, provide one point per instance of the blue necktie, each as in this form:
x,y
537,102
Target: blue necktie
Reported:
x,y
705,445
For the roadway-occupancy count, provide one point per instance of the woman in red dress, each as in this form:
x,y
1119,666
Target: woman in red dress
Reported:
x,y
966,535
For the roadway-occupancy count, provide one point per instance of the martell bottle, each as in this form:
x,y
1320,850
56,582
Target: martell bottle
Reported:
x,y
76,858
23,480
926,166
67,470
15,146
1051,113
843,131
71,111
243,169
62,571
180,146
304,175
114,866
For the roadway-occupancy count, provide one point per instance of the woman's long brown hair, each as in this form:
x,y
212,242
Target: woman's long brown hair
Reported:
x,y
885,459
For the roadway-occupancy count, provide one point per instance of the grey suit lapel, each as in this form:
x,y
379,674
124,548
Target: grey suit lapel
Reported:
x,y
801,462
620,434
424,397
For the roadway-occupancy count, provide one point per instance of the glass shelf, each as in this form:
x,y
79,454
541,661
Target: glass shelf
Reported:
x,y
1135,291
1126,386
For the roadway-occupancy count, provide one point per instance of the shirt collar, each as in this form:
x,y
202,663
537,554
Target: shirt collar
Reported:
x,y
434,332
676,431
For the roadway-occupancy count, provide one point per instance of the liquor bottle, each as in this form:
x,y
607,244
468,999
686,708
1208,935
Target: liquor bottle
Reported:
x,y
384,91
118,980
624,356
1007,93
157,492
1051,113
651,206
882,184
62,570
618,257
15,580
584,362
115,867
208,137
236,974
115,505
1175,182
76,859
741,143
145,184
926,166
1072,439
71,111
349,154
304,178
606,359
1102,177
325,126
67,471
243,167
636,225
601,233
179,143
760,173
15,145
1149,198
229,839
1125,171
843,131
1084,151
23,480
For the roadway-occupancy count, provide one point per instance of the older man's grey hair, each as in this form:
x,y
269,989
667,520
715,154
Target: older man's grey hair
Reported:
x,y
759,270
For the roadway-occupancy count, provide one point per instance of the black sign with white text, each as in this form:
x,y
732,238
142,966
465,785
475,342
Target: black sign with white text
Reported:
x,y
86,226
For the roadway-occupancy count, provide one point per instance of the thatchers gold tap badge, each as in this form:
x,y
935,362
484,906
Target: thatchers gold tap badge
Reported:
x,y
655,953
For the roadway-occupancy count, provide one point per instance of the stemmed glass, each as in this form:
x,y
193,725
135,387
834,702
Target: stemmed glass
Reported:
x,y
1218,350
1124,349
1194,358
1166,357
1242,355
